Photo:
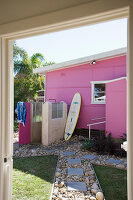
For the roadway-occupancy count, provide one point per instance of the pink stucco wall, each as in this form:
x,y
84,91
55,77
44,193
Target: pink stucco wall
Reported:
x,y
24,131
116,108
63,84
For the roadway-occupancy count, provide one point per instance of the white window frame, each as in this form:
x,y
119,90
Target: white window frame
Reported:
x,y
92,91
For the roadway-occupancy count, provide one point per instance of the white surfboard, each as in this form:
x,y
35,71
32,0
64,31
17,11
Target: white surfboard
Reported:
x,y
72,116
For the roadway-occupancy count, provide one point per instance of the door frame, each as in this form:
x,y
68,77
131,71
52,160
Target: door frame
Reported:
x,y
7,91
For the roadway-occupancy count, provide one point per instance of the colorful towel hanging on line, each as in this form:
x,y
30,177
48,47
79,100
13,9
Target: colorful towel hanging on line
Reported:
x,y
21,112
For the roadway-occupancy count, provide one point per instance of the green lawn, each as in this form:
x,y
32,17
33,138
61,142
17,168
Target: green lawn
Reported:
x,y
113,182
33,177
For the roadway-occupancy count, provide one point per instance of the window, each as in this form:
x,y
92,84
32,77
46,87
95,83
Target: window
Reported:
x,y
37,112
57,110
98,93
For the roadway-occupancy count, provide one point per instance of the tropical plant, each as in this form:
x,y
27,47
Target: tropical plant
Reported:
x,y
26,83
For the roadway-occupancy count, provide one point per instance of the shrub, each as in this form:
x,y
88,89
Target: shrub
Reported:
x,y
120,153
87,144
104,145
109,145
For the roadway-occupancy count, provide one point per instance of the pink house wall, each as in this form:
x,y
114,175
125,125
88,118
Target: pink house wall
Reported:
x,y
63,84
24,131
116,108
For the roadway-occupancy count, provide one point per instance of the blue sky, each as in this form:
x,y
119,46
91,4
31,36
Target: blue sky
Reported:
x,y
78,42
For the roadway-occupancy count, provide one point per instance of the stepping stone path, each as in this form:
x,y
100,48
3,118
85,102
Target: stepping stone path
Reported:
x,y
75,178
67,153
15,146
113,161
89,157
74,161
79,186
75,171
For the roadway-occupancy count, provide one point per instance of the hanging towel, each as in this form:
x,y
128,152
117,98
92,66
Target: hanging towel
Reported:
x,y
21,112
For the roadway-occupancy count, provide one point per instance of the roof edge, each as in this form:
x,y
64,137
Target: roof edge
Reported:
x,y
79,61
109,81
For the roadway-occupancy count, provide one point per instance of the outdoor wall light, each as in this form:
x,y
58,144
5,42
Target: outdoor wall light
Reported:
x,y
93,62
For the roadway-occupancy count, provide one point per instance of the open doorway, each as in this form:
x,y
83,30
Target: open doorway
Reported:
x,y
6,133
97,84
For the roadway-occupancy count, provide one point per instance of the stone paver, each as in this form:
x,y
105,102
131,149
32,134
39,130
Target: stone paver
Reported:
x,y
113,161
15,146
49,151
89,157
68,153
74,161
79,186
75,171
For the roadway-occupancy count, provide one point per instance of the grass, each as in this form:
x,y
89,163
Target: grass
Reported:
x,y
33,177
113,182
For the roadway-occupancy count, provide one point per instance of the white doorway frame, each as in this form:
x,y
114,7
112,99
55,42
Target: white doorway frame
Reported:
x,y
6,90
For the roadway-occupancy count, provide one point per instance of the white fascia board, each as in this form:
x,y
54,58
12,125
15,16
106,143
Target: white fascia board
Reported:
x,y
93,82
79,61
108,81
117,79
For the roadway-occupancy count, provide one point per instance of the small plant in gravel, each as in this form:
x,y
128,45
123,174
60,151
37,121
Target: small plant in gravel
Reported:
x,y
87,144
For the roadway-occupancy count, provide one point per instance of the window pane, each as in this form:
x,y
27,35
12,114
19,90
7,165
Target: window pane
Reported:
x,y
37,112
57,110
100,87
60,110
60,114
100,97
99,92
54,110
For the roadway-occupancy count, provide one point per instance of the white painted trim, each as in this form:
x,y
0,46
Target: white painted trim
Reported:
x,y
45,89
1,135
80,61
101,122
108,81
96,123
98,82
7,116
32,26
55,21
117,79
92,92
98,103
